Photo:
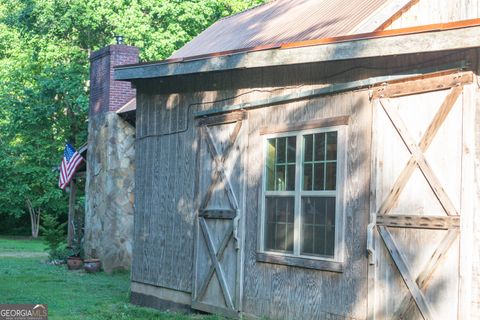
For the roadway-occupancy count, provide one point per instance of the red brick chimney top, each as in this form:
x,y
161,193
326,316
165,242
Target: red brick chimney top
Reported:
x,y
106,94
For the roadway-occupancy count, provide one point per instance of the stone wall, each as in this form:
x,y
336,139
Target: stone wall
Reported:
x,y
110,191
110,162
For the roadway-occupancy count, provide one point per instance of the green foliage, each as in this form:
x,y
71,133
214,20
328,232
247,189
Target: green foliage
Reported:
x,y
44,50
54,236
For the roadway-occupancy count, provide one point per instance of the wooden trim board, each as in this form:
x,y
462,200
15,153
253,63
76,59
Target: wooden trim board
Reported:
x,y
300,262
222,118
300,126
419,222
433,82
428,41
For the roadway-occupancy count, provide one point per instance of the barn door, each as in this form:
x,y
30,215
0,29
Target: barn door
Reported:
x,y
417,193
220,214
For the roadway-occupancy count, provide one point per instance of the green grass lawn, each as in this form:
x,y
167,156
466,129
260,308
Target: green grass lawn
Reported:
x,y
21,244
68,294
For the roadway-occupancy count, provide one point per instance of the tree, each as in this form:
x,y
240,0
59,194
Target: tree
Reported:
x,y
44,50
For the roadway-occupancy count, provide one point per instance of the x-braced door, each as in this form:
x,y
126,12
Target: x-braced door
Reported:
x,y
417,192
221,181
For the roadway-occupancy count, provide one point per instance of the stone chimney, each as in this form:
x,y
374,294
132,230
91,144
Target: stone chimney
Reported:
x,y
110,162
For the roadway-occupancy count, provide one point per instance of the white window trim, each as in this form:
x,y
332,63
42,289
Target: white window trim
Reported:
x,y
298,193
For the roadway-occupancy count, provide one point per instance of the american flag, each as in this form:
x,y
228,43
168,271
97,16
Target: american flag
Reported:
x,y
71,160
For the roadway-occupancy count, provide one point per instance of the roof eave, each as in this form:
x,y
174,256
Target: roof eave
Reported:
x,y
431,38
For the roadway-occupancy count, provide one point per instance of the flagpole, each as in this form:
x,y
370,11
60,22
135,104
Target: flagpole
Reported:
x,y
71,211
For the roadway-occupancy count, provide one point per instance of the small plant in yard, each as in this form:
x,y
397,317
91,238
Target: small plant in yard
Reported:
x,y
54,235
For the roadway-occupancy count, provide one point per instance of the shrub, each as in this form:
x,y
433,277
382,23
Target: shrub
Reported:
x,y
54,235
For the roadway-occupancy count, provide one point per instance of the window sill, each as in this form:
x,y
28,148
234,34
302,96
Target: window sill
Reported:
x,y
300,262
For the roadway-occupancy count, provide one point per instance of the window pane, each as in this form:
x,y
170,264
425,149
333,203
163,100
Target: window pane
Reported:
x,y
319,240
320,147
332,145
329,241
308,147
289,235
279,175
279,231
290,177
319,174
308,239
307,177
271,210
281,150
330,211
270,170
270,235
331,177
308,211
318,226
281,237
291,149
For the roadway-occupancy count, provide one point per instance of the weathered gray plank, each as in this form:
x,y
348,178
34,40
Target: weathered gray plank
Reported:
x,y
403,44
402,267
218,268
419,222
424,277
300,262
321,123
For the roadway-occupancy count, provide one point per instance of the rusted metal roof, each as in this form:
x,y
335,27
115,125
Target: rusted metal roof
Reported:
x,y
282,21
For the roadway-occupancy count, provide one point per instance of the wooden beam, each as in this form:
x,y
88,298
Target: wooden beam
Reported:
x,y
434,83
428,41
335,88
418,222
222,118
314,124
218,213
300,262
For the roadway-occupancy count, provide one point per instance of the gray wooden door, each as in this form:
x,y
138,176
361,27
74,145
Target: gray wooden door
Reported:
x,y
417,203
220,214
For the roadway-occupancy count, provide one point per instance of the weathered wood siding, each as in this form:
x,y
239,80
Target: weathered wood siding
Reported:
x,y
163,247
475,308
424,12
287,292
165,173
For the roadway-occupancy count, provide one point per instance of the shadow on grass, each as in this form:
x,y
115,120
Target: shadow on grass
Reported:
x,y
70,295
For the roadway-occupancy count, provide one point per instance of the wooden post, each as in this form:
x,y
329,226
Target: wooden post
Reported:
x,y
71,211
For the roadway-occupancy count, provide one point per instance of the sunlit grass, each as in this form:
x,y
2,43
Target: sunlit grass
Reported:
x,y
69,294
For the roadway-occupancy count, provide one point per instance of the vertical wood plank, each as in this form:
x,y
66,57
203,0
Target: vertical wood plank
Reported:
x,y
399,260
467,203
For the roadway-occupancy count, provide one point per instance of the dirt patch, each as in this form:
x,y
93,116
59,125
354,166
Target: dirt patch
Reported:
x,y
23,254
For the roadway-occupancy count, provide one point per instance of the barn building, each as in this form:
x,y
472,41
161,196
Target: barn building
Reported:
x,y
313,159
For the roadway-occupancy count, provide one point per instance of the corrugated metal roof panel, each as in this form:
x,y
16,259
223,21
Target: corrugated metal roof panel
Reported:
x,y
281,21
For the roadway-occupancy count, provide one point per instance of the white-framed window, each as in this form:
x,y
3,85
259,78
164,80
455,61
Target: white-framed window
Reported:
x,y
302,196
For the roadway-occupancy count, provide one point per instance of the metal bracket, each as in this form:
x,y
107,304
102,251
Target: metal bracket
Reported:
x,y
370,238
235,230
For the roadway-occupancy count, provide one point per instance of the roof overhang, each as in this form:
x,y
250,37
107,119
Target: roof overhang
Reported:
x,y
423,39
